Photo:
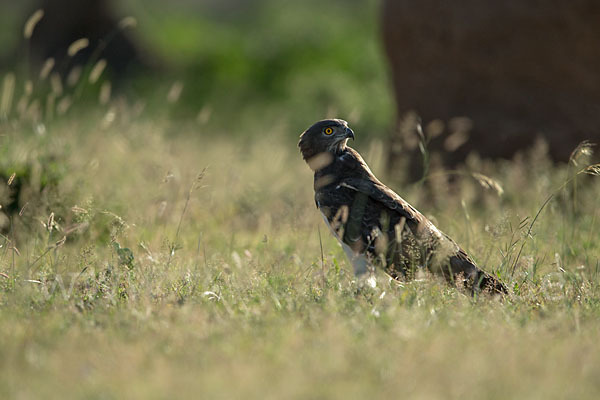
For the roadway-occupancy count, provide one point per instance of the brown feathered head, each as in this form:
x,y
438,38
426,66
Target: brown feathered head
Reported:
x,y
323,140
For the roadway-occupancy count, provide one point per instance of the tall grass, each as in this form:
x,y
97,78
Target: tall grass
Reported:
x,y
120,277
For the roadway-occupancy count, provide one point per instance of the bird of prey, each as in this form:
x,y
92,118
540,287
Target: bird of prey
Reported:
x,y
375,226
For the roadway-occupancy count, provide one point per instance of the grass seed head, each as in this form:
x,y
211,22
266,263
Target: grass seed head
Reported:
x,y
46,68
77,46
8,90
32,22
11,179
97,70
104,96
584,148
593,169
128,22
50,222
56,83
488,183
74,75
175,92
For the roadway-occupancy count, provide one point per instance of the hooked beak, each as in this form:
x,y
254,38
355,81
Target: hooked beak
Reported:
x,y
349,133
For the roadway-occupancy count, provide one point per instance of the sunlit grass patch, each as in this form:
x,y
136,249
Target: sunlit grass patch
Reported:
x,y
139,279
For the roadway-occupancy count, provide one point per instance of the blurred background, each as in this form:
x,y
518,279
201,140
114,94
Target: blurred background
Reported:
x,y
494,79
158,232
244,65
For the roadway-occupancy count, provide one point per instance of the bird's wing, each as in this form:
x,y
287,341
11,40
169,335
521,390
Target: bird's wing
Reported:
x,y
459,260
418,224
380,193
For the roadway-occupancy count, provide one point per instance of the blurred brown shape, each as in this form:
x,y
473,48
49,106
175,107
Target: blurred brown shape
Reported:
x,y
517,69
78,32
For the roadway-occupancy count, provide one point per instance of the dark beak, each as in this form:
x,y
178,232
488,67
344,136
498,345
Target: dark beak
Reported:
x,y
349,133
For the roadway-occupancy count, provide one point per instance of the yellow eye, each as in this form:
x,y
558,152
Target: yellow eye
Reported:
x,y
328,131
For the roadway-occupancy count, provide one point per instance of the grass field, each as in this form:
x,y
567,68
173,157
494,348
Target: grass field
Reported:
x,y
157,260
172,249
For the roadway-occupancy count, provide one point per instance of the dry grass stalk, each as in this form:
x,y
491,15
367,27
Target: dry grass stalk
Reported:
x,y
23,209
32,22
593,169
97,70
195,185
78,210
104,96
455,140
175,92
28,87
47,68
22,106
488,183
11,179
50,222
8,90
63,105
204,115
77,46
60,242
128,22
34,111
584,148
74,75
434,128
50,101
56,84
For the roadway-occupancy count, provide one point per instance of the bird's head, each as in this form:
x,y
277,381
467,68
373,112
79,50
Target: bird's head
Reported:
x,y
323,140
